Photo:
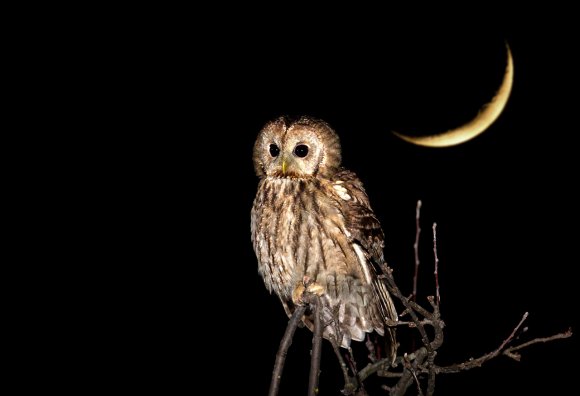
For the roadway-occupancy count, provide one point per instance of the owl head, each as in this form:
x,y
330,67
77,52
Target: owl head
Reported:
x,y
297,148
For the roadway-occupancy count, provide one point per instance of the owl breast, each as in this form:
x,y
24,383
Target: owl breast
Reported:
x,y
298,230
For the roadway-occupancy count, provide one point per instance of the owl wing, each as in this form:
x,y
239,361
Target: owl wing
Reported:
x,y
366,235
361,221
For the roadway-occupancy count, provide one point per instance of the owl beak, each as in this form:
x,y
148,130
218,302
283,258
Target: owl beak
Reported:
x,y
286,164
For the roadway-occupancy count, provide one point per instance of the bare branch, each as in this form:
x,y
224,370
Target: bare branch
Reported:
x,y
513,334
316,306
420,355
510,351
473,363
416,248
430,346
409,368
412,369
349,383
371,346
377,367
436,263
407,378
283,349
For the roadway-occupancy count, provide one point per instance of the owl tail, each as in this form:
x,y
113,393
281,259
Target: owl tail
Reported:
x,y
360,310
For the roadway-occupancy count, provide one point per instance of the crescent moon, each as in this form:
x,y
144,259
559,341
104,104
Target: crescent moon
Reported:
x,y
484,118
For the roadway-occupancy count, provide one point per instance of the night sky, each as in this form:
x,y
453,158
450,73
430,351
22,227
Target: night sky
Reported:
x,y
504,203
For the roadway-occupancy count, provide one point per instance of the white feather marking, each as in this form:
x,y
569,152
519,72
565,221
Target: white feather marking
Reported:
x,y
347,233
341,191
363,262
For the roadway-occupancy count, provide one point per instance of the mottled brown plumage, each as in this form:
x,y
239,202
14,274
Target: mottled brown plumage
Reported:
x,y
312,224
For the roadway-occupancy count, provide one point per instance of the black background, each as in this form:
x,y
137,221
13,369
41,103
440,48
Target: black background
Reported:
x,y
190,101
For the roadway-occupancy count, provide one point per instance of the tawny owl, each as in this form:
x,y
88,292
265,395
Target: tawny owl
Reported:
x,y
312,225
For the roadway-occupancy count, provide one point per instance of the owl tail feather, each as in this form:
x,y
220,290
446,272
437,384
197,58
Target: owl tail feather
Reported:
x,y
352,323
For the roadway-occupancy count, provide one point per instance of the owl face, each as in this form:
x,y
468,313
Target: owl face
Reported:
x,y
296,149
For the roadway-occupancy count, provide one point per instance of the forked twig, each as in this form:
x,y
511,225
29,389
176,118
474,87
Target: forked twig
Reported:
x,y
410,367
350,384
283,349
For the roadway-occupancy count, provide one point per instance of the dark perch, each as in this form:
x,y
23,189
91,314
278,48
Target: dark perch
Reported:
x,y
416,366
283,349
316,348
314,303
412,366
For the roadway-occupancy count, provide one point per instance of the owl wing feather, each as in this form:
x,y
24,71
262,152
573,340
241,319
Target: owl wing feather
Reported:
x,y
366,232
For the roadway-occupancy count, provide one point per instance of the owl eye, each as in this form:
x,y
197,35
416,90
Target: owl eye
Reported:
x,y
274,150
301,150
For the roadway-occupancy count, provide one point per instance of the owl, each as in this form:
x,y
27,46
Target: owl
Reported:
x,y
312,227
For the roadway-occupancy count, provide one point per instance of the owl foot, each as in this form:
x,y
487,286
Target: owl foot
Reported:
x,y
309,286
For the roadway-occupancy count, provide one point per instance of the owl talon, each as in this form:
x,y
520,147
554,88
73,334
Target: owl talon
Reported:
x,y
297,294
315,288
307,286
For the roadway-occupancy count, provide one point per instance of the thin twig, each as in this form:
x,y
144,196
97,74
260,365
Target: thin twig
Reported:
x,y
378,366
408,324
416,248
516,356
438,332
411,306
513,334
283,349
432,374
436,263
409,368
406,380
349,384
420,354
412,368
473,363
430,346
352,362
316,347
419,390
371,347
